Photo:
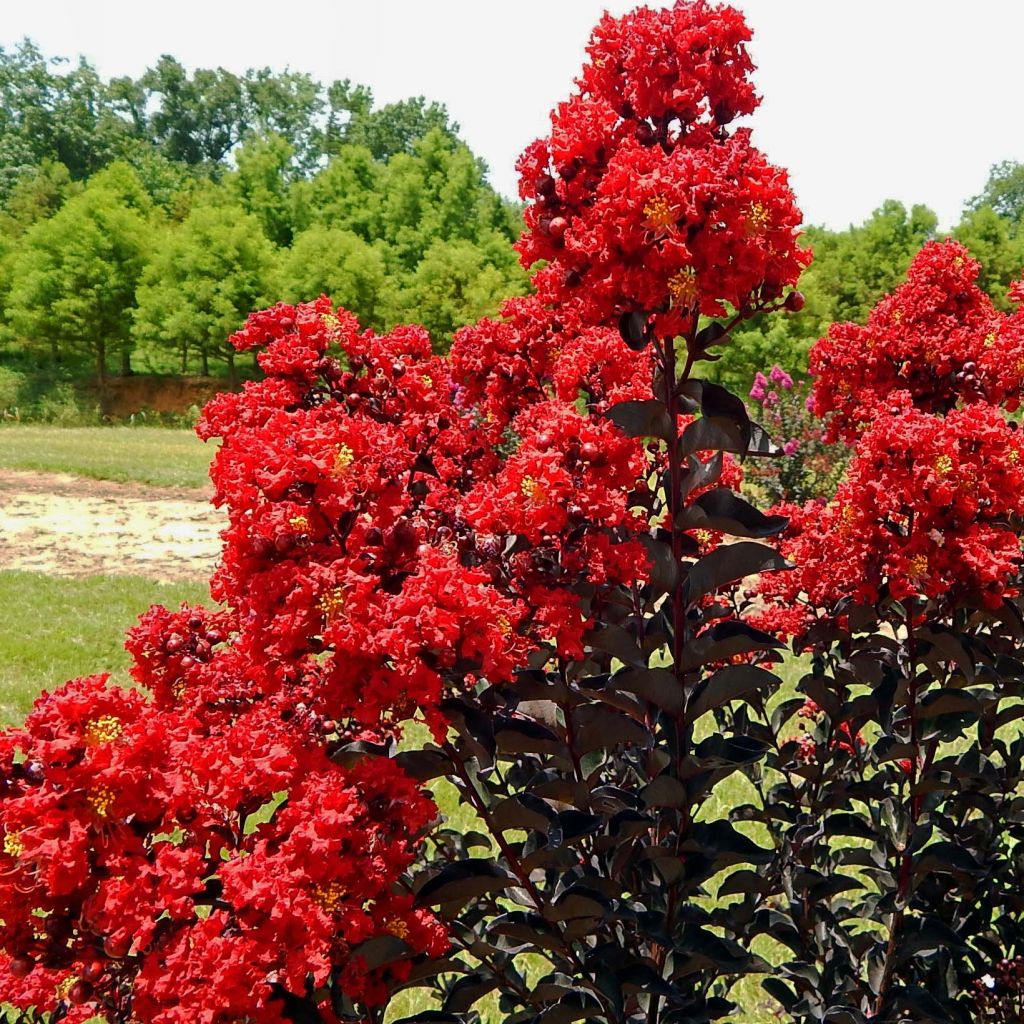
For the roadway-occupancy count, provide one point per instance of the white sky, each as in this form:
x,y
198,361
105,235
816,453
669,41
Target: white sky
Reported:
x,y
864,99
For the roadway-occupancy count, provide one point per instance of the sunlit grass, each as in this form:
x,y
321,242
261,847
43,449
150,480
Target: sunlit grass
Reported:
x,y
148,455
55,629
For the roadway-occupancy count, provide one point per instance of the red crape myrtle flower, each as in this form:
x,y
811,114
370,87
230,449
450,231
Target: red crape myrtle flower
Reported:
x,y
148,870
641,199
926,510
395,528
937,337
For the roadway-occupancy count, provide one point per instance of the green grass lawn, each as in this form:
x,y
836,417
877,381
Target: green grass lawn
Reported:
x,y
149,455
55,629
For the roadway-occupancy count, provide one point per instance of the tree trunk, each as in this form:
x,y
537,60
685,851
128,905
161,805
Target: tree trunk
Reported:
x,y
126,361
205,361
101,363
232,373
184,358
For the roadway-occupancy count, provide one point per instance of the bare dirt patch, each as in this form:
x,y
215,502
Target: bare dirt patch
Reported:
x,y
66,525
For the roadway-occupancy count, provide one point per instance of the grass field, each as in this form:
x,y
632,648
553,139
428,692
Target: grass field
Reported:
x,y
55,629
150,455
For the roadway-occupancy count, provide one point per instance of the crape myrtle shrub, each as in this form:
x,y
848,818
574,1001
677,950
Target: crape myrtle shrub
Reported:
x,y
896,803
534,546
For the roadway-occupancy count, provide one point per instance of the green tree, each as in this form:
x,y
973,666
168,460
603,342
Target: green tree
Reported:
x,y
261,184
440,192
996,246
454,284
397,127
74,275
1004,192
345,194
208,274
200,118
338,263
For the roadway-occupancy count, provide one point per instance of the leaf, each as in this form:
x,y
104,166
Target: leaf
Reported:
x,y
706,434
725,843
525,736
699,473
523,811
467,991
743,882
728,684
726,640
736,750
656,685
729,563
951,649
462,881
664,568
574,1005
634,331
710,335
664,791
722,510
599,727
382,949
642,418
525,928
617,642
424,765
949,702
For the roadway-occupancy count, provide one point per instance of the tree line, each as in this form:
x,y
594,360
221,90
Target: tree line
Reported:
x,y
141,220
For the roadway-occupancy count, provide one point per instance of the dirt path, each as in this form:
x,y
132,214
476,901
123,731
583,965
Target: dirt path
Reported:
x,y
71,526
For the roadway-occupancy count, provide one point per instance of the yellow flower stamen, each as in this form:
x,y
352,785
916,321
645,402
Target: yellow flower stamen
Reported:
x,y
330,896
847,518
101,799
703,536
427,381
398,928
332,604
104,729
66,986
13,845
682,286
758,218
342,460
532,490
300,523
943,465
990,339
918,566
660,213
504,625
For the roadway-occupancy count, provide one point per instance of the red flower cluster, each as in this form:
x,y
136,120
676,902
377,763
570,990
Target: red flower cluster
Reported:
x,y
385,536
640,199
169,865
937,337
925,510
